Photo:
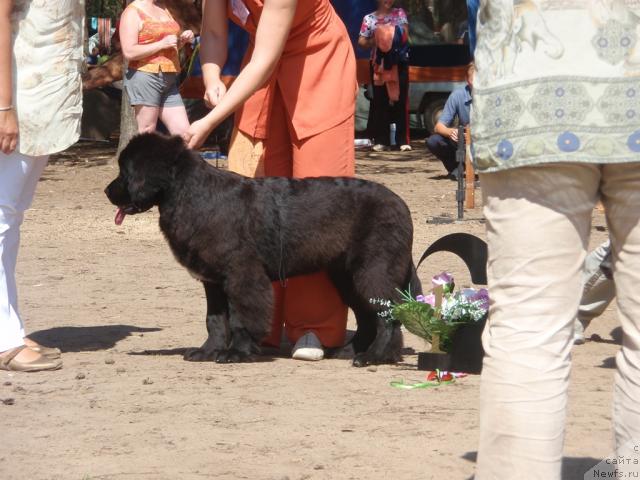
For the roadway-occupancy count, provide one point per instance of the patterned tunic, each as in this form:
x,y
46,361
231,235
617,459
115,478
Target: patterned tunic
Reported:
x,y
556,81
395,17
47,47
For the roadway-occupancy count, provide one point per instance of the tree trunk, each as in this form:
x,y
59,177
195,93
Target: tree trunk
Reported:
x,y
128,126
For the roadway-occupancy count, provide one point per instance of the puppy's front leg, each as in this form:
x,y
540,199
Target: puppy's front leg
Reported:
x,y
217,321
250,311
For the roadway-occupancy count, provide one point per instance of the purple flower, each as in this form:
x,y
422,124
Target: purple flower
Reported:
x,y
473,295
429,299
444,278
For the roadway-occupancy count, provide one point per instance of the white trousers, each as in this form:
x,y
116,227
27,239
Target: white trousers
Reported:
x,y
19,176
538,225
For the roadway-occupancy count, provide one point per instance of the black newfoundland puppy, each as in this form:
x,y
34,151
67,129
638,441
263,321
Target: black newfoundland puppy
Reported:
x,y
238,234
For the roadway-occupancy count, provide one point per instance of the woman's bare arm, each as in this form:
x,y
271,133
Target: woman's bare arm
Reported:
x,y
213,48
8,120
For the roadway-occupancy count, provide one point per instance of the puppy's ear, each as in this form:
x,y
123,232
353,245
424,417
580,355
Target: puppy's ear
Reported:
x,y
174,146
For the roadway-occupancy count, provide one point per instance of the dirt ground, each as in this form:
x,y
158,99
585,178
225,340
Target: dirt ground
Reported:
x,y
126,406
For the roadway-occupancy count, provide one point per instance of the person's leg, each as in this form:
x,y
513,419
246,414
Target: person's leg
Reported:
x,y
146,118
380,115
400,109
538,223
246,155
175,119
444,150
277,161
19,176
621,199
312,303
598,291
330,153
145,92
172,111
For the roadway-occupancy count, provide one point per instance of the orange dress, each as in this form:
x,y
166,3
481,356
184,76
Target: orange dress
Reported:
x,y
304,116
316,73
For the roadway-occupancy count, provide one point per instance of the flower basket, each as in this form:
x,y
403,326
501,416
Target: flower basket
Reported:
x,y
465,355
452,322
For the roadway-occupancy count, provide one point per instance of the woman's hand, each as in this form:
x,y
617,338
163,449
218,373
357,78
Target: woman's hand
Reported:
x,y
366,42
197,133
169,41
8,131
214,92
186,37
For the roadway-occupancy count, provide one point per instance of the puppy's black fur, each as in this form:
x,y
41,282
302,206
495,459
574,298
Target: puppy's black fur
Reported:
x,y
237,235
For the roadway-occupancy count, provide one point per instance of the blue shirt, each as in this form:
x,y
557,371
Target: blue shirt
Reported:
x,y
458,105
472,15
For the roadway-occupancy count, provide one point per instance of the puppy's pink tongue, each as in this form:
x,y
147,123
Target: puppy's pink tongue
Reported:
x,y
120,216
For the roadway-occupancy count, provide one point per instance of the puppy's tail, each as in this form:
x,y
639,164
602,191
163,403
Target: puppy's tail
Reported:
x,y
413,284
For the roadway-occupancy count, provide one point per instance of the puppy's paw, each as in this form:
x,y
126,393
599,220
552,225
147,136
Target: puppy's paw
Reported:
x,y
232,356
199,355
367,358
362,360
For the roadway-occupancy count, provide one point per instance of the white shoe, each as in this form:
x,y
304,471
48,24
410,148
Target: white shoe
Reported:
x,y
405,148
578,333
378,148
308,347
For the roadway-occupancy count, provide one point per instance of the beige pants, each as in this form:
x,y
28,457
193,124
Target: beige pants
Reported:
x,y
538,224
246,155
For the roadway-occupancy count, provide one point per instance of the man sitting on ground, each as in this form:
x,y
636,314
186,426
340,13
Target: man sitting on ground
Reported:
x,y
444,141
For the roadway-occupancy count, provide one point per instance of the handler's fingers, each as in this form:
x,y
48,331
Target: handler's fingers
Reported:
x,y
196,140
6,144
13,143
212,97
190,139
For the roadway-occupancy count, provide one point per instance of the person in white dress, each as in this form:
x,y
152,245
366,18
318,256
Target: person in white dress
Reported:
x,y
40,108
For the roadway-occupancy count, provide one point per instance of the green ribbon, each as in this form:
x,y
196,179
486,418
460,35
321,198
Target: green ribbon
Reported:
x,y
412,386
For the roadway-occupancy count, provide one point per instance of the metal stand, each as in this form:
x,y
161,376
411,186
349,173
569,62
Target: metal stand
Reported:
x,y
460,157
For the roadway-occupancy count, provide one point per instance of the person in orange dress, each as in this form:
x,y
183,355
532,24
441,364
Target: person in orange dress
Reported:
x,y
294,101
150,38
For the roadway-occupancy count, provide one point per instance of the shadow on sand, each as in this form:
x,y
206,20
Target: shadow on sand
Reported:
x,y
86,339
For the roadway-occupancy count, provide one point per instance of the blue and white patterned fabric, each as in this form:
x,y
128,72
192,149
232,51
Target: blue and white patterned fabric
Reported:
x,y
556,81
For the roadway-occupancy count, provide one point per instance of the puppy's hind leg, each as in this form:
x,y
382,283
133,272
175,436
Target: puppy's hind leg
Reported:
x,y
385,348
217,326
381,339
250,311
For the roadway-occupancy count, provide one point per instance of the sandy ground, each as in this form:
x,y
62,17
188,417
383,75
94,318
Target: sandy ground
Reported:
x,y
126,406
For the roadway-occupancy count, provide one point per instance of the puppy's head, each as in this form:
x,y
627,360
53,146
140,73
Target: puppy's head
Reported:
x,y
147,167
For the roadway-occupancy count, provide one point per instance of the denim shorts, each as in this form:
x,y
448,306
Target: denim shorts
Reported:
x,y
152,89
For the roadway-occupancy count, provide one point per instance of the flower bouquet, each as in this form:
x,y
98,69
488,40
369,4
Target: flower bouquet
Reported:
x,y
451,321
